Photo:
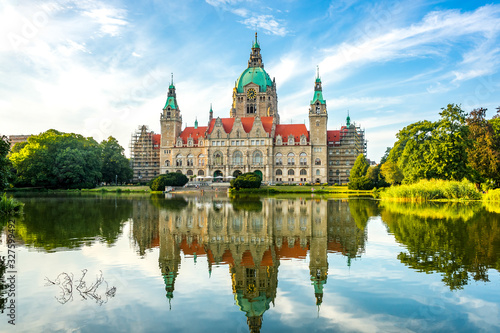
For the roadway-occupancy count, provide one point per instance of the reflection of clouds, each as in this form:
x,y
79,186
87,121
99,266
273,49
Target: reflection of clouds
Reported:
x,y
484,314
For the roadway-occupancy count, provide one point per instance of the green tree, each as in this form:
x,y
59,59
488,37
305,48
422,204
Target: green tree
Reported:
x,y
115,166
357,178
55,159
246,180
484,150
449,144
4,161
168,179
391,173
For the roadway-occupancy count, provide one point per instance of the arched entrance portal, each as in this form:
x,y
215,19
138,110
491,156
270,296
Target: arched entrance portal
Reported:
x,y
236,173
317,180
218,176
258,173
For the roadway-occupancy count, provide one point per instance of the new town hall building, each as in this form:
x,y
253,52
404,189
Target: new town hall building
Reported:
x,y
252,139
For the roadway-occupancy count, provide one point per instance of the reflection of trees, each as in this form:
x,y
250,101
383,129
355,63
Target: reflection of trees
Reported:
x,y
458,248
344,221
361,210
72,221
145,218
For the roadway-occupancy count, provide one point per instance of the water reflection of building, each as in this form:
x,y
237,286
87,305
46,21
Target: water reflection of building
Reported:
x,y
251,238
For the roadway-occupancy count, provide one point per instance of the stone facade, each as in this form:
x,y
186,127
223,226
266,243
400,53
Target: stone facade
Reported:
x,y
253,140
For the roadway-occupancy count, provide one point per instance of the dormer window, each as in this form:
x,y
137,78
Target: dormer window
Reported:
x,y
278,140
179,142
291,140
190,142
303,139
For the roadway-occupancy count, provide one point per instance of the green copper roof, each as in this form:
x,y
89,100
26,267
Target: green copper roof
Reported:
x,y
255,75
170,102
318,96
252,307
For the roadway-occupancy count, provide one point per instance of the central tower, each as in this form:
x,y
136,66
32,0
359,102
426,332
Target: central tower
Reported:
x,y
254,93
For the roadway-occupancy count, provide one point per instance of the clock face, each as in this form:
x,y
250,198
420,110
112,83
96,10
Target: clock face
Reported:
x,y
251,93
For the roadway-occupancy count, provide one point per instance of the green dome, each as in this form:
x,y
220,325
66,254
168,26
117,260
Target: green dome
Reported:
x,y
256,75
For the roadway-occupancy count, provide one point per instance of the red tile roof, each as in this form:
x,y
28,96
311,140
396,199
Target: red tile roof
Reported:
x,y
286,252
295,129
195,133
247,122
156,141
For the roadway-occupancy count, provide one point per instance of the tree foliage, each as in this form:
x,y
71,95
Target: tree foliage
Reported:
x,y
246,180
55,159
357,178
427,150
115,166
484,150
168,179
4,161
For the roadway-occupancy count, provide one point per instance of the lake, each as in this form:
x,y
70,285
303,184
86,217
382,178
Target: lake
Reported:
x,y
140,263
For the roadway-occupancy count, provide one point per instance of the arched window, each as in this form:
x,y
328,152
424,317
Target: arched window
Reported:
x,y
317,172
279,172
291,140
189,173
291,172
218,158
291,159
279,159
303,172
178,160
237,158
279,141
201,173
303,158
317,161
201,160
167,163
257,157
190,160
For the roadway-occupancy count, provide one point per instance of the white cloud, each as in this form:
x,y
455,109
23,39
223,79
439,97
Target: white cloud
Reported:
x,y
415,41
267,23
109,19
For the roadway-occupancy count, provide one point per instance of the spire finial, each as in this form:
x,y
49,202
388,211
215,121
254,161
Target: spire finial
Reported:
x,y
317,71
172,79
348,120
256,37
211,108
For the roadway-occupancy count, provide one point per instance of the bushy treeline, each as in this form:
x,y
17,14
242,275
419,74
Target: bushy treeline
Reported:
x,y
457,146
246,180
56,160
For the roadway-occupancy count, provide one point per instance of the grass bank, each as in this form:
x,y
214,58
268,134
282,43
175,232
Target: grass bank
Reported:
x,y
302,189
10,206
428,190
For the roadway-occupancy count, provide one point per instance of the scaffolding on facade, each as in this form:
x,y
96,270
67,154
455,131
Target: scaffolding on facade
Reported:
x,y
343,153
144,154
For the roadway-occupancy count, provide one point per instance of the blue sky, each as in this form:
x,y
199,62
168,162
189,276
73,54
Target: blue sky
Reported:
x,y
102,68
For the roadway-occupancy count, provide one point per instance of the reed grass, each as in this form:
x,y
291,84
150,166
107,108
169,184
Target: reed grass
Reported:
x,y
10,206
434,189
492,195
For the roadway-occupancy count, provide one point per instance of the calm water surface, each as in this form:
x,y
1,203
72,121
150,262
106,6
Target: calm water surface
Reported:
x,y
126,263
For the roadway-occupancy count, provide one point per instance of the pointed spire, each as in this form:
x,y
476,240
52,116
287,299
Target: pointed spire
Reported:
x,y
348,119
255,56
195,126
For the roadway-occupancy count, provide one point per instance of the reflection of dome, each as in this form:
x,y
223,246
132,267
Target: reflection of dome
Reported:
x,y
255,75
253,307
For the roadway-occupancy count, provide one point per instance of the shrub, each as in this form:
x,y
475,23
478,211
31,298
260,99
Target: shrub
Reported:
x,y
246,180
168,179
361,183
10,206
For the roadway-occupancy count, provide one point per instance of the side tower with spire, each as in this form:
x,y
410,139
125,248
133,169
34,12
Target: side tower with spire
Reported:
x,y
318,120
171,126
254,93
